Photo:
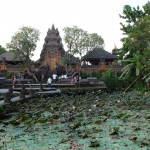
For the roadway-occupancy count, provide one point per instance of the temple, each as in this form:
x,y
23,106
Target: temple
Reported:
x,y
99,59
53,50
52,58
10,63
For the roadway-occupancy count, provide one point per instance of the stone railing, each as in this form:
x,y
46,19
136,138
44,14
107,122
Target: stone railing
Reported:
x,y
94,68
99,68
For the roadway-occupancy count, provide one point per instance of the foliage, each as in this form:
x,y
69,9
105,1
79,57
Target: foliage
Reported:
x,y
94,40
140,86
110,78
23,43
138,39
92,74
9,75
2,50
84,75
134,62
75,38
131,16
66,58
136,30
80,42
98,75
136,46
94,119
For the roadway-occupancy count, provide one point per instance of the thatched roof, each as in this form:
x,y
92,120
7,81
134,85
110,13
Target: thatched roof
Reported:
x,y
73,60
9,56
97,54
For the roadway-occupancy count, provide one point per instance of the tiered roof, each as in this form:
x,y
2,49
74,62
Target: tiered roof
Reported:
x,y
97,54
52,42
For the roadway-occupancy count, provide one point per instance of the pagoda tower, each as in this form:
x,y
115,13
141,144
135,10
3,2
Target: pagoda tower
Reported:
x,y
115,50
53,50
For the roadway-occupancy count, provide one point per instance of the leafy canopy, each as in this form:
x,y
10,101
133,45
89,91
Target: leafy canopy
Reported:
x,y
80,41
23,43
2,50
136,43
136,30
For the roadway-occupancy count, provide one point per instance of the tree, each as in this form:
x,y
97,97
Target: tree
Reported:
x,y
136,43
136,30
75,39
80,42
2,50
131,16
23,43
135,63
93,41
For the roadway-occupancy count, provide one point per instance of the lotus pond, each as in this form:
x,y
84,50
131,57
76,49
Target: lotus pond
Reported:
x,y
84,121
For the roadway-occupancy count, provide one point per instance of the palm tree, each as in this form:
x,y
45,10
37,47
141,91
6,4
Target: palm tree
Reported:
x,y
137,67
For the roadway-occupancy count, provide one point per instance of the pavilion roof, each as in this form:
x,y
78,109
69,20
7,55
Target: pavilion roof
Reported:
x,y
9,56
98,53
72,60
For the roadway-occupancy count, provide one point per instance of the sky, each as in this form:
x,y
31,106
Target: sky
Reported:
x,y
93,16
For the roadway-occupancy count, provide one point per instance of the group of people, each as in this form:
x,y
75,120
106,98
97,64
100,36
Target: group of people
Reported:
x,y
54,79
50,80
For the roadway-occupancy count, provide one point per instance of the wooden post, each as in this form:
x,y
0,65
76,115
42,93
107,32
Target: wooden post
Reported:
x,y
14,80
23,93
31,92
41,87
8,95
7,98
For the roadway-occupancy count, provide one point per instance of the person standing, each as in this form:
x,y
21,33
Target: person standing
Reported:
x,y
14,81
54,78
49,82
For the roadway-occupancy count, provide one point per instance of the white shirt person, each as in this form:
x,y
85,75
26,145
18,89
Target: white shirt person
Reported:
x,y
54,78
49,82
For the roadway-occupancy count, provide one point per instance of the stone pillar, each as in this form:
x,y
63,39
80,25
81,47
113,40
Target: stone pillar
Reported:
x,y
8,95
41,87
22,93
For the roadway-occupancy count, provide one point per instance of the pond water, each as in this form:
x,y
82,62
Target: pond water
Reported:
x,y
95,120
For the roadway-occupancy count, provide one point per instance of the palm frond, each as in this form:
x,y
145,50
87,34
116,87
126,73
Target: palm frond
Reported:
x,y
147,77
126,70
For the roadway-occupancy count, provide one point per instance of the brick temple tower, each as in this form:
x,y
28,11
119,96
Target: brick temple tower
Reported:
x,y
53,50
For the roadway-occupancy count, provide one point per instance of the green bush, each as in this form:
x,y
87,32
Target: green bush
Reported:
x,y
110,78
84,75
97,75
92,74
140,86
9,75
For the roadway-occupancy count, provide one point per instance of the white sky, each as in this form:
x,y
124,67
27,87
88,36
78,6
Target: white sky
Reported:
x,y
94,16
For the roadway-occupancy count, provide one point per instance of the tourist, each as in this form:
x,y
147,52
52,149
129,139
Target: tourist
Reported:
x,y
62,76
14,81
54,77
65,76
59,78
74,79
49,82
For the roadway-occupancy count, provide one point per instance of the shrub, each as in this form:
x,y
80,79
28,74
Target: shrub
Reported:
x,y
110,78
